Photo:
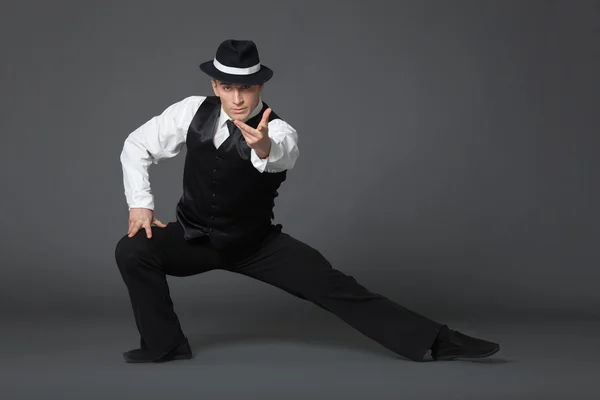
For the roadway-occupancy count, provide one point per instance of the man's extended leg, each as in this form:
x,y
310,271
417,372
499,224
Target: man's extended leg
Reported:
x,y
144,264
299,269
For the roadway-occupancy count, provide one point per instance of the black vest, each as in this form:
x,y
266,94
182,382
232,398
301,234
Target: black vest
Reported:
x,y
225,198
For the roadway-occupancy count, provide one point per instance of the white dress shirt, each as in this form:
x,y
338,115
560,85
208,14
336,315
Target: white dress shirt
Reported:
x,y
164,135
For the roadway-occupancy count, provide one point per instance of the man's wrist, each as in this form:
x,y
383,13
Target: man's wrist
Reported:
x,y
262,156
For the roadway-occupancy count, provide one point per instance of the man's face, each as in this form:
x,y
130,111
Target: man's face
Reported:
x,y
238,101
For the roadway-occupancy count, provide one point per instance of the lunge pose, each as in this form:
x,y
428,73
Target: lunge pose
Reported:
x,y
238,153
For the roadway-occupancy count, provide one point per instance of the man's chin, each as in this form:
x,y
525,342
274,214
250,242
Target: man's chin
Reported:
x,y
239,114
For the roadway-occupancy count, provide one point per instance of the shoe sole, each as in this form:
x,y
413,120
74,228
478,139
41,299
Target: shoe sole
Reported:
x,y
171,358
449,358
177,357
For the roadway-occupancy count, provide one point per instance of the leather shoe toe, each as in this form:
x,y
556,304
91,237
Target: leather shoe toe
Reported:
x,y
459,345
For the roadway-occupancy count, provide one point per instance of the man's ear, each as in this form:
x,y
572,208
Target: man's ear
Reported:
x,y
214,84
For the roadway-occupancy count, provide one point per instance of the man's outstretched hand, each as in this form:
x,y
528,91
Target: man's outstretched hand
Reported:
x,y
142,218
258,139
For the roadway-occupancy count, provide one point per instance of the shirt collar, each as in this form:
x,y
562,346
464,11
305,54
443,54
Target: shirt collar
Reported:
x,y
223,117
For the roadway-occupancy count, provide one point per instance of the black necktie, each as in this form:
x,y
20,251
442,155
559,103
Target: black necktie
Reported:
x,y
231,126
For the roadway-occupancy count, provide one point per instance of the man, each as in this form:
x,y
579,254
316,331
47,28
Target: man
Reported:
x,y
238,153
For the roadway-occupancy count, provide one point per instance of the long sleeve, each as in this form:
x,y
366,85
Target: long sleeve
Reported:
x,y
163,136
284,148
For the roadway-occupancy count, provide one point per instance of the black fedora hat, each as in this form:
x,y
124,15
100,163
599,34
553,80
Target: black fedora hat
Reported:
x,y
237,62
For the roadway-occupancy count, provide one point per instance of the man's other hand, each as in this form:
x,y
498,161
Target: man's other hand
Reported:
x,y
142,218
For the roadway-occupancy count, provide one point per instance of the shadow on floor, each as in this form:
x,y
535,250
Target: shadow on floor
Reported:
x,y
309,332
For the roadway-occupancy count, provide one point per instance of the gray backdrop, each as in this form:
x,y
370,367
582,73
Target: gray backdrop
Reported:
x,y
447,149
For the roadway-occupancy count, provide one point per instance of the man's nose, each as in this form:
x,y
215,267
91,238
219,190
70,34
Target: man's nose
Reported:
x,y
237,97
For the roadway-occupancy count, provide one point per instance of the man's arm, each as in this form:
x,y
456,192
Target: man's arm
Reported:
x,y
163,136
284,148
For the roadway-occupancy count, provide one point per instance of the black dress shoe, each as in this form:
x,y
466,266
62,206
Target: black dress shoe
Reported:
x,y
452,344
144,355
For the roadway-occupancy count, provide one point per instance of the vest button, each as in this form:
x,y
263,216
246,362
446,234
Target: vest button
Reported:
x,y
214,195
215,170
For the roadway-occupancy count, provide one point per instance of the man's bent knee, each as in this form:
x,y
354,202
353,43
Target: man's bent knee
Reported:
x,y
128,250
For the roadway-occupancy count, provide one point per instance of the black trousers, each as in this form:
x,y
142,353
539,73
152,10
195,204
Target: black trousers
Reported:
x,y
279,260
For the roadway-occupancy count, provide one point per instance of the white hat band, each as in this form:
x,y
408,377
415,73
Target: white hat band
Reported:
x,y
234,70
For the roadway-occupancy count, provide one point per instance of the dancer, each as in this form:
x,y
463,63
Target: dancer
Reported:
x,y
238,153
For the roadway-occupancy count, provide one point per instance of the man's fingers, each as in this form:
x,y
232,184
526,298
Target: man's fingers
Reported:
x,y
148,228
265,119
133,230
249,139
135,226
263,126
159,223
247,129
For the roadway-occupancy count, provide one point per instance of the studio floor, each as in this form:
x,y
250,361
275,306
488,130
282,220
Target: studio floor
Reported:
x,y
292,354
